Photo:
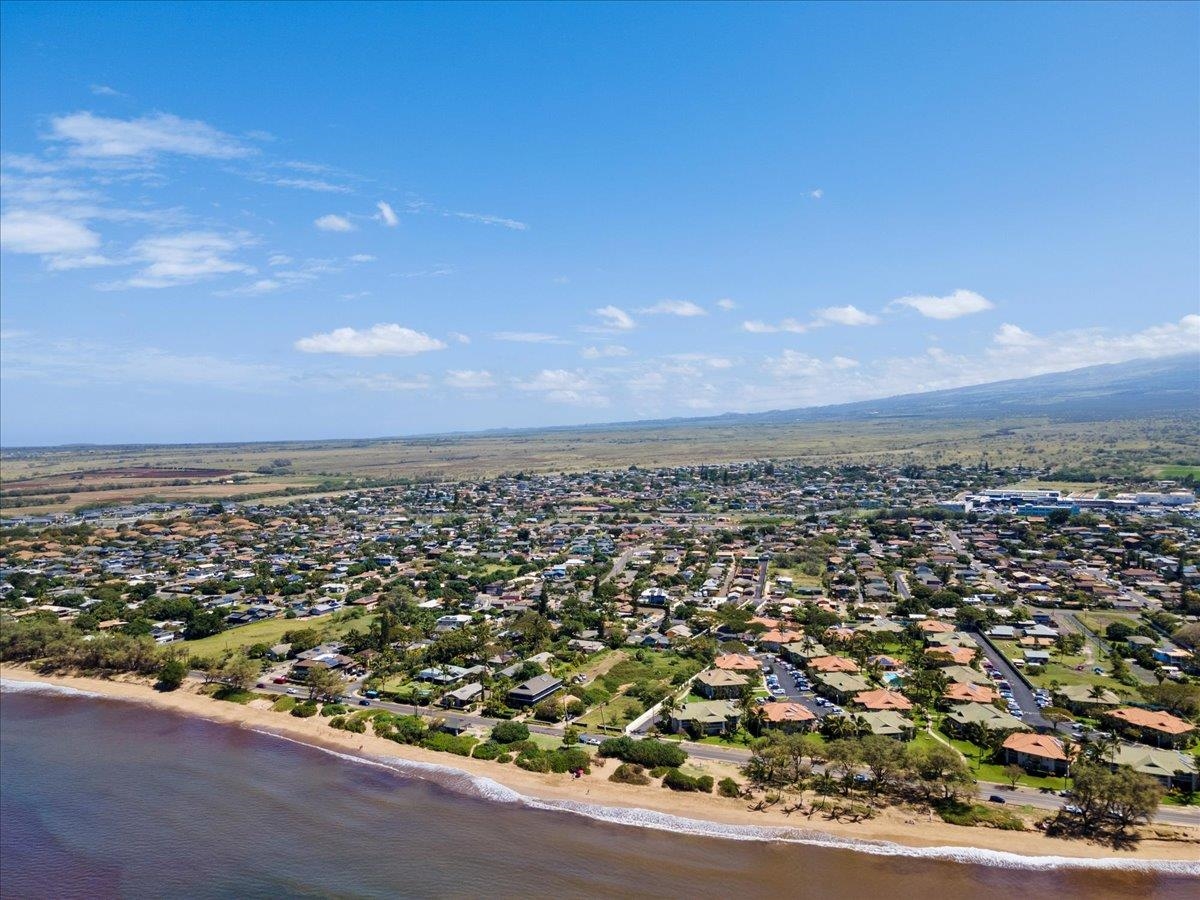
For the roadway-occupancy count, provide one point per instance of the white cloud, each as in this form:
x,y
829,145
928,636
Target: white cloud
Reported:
x,y
278,259
470,379
459,337
362,258
563,386
527,337
100,137
952,306
491,220
682,308
844,362
310,184
333,222
26,231
387,215
1014,336
614,318
183,258
844,315
757,326
816,194
726,304
378,340
103,90
604,351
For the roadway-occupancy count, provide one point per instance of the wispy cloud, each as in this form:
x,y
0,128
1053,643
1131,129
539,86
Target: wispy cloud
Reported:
x,y
99,137
726,304
333,222
379,340
564,386
470,379
177,259
103,90
386,214
604,351
830,315
952,306
614,318
527,337
309,184
484,219
25,231
683,308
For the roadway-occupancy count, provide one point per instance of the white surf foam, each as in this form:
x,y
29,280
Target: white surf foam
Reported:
x,y
11,686
488,789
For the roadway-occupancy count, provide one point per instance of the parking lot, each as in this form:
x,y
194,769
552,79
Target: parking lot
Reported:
x,y
787,684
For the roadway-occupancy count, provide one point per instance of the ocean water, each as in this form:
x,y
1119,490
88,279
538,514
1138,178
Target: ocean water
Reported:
x,y
103,798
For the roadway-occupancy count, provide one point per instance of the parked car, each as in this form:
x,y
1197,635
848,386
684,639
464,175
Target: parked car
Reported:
x,y
996,798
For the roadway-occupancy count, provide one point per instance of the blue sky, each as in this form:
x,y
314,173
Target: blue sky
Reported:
x,y
259,221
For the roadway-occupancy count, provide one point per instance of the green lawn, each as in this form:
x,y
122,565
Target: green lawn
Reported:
x,y
270,631
1179,471
987,771
620,711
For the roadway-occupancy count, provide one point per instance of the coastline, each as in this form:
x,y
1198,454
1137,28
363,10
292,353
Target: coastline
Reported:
x,y
893,832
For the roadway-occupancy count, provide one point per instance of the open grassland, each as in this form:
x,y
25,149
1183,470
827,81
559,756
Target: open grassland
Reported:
x,y
271,631
1127,448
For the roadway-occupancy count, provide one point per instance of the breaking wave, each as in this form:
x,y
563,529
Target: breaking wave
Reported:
x,y
484,788
487,789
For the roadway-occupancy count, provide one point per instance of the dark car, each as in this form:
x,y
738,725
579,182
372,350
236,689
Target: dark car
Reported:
x,y
996,798
364,702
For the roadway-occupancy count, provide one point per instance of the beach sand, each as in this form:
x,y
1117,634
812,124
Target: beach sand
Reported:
x,y
897,826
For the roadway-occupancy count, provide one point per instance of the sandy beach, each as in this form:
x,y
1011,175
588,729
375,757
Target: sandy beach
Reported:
x,y
892,825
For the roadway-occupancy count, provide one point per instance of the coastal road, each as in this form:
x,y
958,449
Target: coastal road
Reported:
x,y
738,756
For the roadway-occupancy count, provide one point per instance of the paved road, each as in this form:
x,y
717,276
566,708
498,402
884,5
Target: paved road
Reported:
x,y
1030,711
739,755
901,585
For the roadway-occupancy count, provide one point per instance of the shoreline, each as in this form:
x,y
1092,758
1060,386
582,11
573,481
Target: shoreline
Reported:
x,y
892,832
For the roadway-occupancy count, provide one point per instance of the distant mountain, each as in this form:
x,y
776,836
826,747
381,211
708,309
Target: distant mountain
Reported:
x,y
1121,390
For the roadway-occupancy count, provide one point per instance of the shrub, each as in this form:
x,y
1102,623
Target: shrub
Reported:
x,y
533,762
629,773
172,673
504,758
284,704
487,750
548,711
357,726
968,814
649,753
338,722
678,781
304,710
460,745
510,732
568,759
334,709
727,787
659,771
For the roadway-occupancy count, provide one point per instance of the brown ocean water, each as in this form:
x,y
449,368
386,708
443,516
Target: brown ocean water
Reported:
x,y
101,798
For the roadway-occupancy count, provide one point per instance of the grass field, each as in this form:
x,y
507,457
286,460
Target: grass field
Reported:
x,y
1178,471
270,631
1134,446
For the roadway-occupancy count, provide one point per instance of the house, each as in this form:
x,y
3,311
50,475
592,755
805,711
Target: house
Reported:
x,y
951,656
705,717
534,691
463,697
888,723
878,701
1172,768
719,684
825,664
964,715
786,716
775,638
442,674
1037,753
1160,728
1084,698
736,662
957,692
840,686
